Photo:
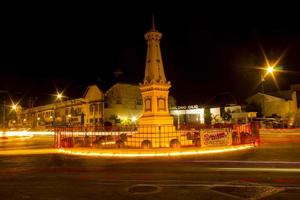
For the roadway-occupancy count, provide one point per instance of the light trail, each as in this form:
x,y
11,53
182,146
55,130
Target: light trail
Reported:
x,y
24,133
155,153
245,162
256,169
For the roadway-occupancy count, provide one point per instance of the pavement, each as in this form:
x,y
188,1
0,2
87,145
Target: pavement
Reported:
x,y
270,171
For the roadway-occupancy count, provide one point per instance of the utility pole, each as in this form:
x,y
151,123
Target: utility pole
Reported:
x,y
263,95
4,113
4,107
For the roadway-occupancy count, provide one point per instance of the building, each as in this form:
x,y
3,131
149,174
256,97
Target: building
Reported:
x,y
123,103
195,114
87,110
283,104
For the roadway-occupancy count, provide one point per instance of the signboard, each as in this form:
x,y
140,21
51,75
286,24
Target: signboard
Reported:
x,y
216,138
185,107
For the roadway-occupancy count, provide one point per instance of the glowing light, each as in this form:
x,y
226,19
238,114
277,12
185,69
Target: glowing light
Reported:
x,y
105,143
270,69
14,107
133,119
69,115
38,119
59,96
17,133
26,133
156,153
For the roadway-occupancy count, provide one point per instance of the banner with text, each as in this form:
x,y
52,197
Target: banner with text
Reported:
x,y
219,137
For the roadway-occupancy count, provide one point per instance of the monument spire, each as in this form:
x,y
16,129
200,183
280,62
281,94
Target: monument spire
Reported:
x,y
153,24
154,70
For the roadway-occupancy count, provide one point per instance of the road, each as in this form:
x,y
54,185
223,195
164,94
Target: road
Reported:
x,y
271,171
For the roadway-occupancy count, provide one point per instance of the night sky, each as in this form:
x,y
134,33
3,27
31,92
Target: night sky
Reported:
x,y
207,50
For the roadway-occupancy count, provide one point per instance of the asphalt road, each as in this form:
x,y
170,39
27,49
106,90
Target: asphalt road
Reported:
x,y
271,171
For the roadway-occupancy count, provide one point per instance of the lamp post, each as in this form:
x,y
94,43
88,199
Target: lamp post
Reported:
x,y
269,70
4,107
59,97
14,109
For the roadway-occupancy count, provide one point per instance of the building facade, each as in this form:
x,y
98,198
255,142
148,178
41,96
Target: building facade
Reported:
x,y
121,104
87,110
283,104
195,114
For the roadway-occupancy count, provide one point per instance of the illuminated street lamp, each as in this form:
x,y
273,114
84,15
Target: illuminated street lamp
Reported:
x,y
14,107
133,119
14,110
269,70
59,97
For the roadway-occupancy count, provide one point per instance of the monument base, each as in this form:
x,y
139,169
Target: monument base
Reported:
x,y
156,120
157,136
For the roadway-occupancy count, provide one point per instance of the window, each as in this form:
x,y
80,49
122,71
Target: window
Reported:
x,y
161,104
91,108
148,106
96,108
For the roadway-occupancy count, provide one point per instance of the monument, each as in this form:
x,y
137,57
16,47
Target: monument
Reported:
x,y
155,87
155,128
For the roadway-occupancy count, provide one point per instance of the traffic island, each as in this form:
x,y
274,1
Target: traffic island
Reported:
x,y
157,152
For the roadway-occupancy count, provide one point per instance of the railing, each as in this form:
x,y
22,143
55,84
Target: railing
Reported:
x,y
154,136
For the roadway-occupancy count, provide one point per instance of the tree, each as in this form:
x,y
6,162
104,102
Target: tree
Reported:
x,y
226,116
207,116
254,107
115,118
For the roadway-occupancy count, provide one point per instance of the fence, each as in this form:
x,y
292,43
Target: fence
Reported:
x,y
154,136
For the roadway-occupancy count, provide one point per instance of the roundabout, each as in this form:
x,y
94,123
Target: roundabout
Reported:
x,y
159,152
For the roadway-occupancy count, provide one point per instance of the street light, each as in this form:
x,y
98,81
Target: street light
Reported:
x,y
4,107
59,97
14,107
269,70
14,110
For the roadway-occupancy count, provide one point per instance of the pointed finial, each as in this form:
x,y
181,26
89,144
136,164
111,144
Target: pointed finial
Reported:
x,y
153,23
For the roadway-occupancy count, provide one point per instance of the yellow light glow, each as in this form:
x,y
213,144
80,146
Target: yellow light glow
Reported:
x,y
270,69
133,119
156,154
59,96
106,143
26,133
69,115
14,107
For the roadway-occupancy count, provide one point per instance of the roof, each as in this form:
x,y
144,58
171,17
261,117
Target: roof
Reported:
x,y
284,94
266,98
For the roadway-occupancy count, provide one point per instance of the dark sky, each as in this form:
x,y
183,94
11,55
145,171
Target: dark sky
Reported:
x,y
207,49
